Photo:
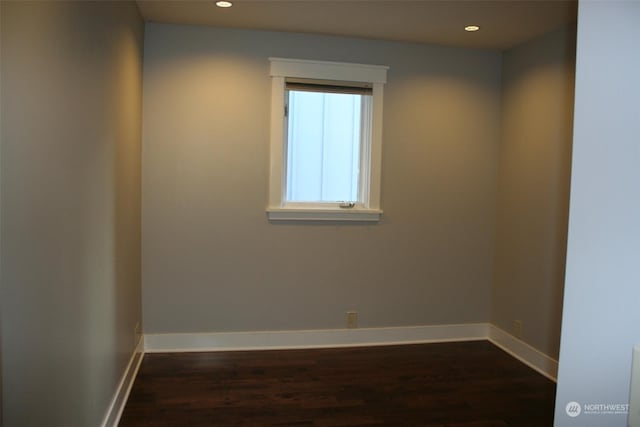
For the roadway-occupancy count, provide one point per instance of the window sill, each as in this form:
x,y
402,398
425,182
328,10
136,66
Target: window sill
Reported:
x,y
301,214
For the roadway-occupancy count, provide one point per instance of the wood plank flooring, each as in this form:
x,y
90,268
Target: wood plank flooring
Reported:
x,y
466,384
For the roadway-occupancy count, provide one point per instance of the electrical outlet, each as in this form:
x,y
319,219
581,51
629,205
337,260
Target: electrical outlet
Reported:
x,y
517,328
352,319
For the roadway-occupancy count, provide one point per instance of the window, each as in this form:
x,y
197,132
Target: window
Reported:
x,y
324,140
326,137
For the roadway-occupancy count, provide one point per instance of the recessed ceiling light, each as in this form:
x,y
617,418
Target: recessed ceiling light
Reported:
x,y
471,28
224,3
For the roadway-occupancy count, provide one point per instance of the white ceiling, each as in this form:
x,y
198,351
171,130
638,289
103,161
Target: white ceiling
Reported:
x,y
504,24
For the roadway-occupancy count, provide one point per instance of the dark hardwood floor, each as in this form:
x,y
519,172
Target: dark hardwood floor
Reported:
x,y
466,384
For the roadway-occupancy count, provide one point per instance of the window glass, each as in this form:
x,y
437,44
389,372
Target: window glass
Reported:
x,y
323,146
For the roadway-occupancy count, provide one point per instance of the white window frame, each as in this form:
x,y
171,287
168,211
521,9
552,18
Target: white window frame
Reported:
x,y
369,209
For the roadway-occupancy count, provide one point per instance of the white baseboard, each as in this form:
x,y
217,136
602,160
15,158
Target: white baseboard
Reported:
x,y
272,340
281,340
112,417
522,351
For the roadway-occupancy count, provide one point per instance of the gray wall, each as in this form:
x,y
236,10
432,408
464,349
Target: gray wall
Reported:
x,y
602,291
533,195
71,133
212,261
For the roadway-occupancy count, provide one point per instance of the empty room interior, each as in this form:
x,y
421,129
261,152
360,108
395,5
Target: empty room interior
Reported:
x,y
147,213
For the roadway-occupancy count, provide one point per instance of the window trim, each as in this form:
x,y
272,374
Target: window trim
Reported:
x,y
283,68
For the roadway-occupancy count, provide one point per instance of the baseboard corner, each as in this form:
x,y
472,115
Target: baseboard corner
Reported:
x,y
524,352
